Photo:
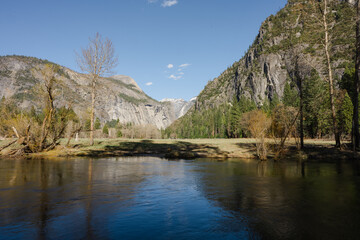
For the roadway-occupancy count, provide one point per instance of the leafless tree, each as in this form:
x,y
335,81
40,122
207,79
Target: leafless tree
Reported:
x,y
330,72
297,56
283,126
257,123
48,74
37,135
322,7
97,60
356,143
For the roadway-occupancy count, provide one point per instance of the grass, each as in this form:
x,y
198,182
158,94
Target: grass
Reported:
x,y
188,148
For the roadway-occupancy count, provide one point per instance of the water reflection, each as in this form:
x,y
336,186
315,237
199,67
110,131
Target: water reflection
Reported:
x,y
44,195
288,200
154,198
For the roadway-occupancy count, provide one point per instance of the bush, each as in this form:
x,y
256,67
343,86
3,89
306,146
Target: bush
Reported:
x,y
106,129
257,123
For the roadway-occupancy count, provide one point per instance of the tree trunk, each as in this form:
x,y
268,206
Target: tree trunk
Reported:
x,y
301,117
283,140
49,117
330,76
16,132
356,141
300,82
92,120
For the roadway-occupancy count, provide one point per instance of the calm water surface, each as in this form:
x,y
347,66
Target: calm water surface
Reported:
x,y
152,198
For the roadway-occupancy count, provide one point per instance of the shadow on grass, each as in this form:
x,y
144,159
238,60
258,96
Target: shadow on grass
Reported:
x,y
312,152
184,150
329,153
247,146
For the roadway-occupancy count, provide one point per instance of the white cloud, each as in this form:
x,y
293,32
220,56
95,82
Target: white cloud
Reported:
x,y
181,73
170,66
175,77
149,84
184,65
152,1
169,3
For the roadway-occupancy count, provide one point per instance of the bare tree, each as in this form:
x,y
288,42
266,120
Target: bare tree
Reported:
x,y
284,126
34,133
323,8
97,60
48,74
330,73
257,123
356,143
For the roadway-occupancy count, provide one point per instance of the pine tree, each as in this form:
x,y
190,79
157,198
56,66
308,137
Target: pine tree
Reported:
x,y
344,113
316,106
291,96
97,123
105,129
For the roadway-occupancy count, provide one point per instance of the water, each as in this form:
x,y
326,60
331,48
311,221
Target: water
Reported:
x,y
152,198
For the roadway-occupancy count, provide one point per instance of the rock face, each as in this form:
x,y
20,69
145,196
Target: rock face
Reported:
x,y
288,43
180,106
118,97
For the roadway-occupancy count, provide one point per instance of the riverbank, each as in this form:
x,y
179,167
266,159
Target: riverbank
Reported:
x,y
188,149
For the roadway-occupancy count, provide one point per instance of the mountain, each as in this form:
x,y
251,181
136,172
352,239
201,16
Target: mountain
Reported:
x,y
288,47
118,97
180,106
270,62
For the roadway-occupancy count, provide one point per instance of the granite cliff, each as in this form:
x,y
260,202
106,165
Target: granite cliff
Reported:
x,y
288,50
180,106
118,97
293,34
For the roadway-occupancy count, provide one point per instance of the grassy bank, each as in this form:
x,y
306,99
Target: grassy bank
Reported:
x,y
187,149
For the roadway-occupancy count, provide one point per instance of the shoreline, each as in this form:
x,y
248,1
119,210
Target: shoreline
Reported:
x,y
221,149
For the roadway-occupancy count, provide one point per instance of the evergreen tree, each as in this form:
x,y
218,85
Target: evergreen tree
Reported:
x,y
97,123
275,101
344,113
291,96
316,106
105,129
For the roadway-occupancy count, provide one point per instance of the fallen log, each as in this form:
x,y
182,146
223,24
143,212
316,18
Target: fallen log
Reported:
x,y
8,145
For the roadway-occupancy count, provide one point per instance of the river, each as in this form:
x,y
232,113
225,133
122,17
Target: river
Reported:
x,y
153,198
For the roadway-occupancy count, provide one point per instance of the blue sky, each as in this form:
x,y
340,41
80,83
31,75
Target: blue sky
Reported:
x,y
172,48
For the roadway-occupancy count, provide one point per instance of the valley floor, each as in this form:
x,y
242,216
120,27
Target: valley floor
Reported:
x,y
190,148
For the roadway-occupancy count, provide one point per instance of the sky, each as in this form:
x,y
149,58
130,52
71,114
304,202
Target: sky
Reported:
x,y
171,48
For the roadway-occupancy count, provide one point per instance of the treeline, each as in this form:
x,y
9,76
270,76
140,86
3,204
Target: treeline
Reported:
x,y
65,123
116,129
38,130
226,120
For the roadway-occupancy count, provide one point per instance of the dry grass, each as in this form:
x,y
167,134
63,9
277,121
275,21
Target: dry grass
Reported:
x,y
180,148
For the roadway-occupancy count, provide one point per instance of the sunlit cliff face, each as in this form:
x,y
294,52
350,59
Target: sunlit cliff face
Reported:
x,y
117,97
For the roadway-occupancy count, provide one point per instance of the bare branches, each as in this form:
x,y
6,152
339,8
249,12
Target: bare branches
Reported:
x,y
8,145
48,74
97,59
356,135
257,123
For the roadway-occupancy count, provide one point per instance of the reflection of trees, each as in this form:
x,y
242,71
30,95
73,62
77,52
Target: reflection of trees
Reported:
x,y
285,200
271,200
64,194
44,201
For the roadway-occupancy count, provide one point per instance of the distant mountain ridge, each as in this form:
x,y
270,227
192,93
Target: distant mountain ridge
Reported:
x,y
118,97
180,106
